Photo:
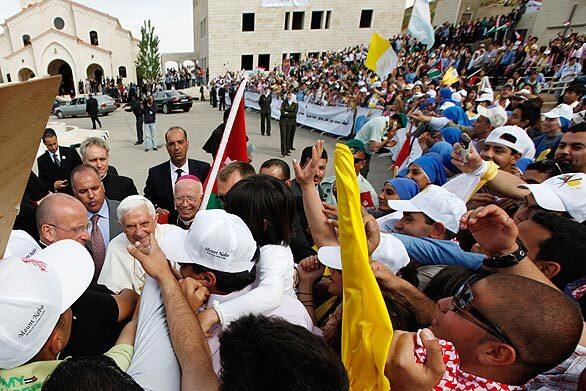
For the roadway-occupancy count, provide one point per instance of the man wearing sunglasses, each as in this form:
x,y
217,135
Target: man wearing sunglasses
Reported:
x,y
504,330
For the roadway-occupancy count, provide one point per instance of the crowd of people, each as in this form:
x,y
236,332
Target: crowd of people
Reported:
x,y
476,241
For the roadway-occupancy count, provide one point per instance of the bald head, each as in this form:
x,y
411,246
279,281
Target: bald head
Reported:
x,y
61,216
543,323
188,197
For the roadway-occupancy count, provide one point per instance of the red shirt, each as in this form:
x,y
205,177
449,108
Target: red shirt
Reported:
x,y
455,378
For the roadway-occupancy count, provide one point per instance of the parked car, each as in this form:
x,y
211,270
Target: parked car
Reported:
x,y
167,101
76,108
58,102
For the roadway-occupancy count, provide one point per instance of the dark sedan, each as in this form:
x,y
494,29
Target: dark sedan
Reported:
x,y
167,101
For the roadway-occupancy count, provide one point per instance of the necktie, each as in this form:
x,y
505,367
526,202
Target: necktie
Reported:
x,y
56,160
179,172
98,246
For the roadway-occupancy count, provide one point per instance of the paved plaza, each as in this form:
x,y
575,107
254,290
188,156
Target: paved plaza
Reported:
x,y
131,160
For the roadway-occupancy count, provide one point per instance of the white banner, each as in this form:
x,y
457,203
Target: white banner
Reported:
x,y
336,120
283,3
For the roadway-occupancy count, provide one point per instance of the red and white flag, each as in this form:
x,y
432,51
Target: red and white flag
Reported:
x,y
233,144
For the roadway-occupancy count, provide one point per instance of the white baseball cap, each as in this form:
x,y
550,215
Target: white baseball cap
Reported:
x,y
437,203
216,239
487,96
431,93
562,193
456,97
497,116
519,140
390,252
562,110
21,244
34,292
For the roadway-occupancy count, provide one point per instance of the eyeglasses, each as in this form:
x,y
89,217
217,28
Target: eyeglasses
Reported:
x,y
190,199
77,231
462,303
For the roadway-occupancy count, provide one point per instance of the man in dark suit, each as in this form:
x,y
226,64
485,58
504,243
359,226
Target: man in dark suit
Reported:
x,y
222,98
161,179
288,123
96,152
91,107
264,102
101,212
57,163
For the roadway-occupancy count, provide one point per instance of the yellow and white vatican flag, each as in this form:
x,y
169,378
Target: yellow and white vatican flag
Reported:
x,y
367,331
381,57
450,77
283,3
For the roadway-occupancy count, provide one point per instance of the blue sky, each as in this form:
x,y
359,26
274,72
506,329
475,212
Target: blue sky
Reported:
x,y
172,18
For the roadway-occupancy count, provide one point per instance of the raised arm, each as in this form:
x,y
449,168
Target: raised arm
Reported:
x,y
187,337
321,231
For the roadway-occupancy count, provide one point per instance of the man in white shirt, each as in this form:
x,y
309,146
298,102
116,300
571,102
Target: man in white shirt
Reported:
x,y
138,220
220,253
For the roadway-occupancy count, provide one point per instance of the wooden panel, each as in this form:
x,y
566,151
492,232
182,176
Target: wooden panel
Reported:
x,y
24,111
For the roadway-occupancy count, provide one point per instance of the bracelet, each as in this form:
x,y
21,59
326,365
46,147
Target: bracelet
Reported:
x,y
305,293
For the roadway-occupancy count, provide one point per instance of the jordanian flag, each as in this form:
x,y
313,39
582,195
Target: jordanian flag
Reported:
x,y
434,73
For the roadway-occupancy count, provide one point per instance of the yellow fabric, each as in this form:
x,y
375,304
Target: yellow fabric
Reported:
x,y
367,331
378,45
543,155
450,77
323,309
489,175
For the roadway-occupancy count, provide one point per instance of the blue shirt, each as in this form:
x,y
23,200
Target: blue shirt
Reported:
x,y
427,251
507,57
103,222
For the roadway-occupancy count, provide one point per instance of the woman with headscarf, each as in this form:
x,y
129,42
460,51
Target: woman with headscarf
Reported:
x,y
427,170
451,135
394,189
457,115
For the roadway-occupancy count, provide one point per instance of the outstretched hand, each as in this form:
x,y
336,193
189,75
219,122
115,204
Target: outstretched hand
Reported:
x,y
492,228
473,162
304,176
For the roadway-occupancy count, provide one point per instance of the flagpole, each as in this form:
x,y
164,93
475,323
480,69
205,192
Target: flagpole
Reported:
x,y
221,149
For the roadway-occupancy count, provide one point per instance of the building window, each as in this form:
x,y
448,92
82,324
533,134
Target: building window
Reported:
x,y
264,61
287,17
94,38
8,78
328,19
246,62
365,19
58,23
248,22
316,18
295,57
26,40
298,19
122,71
313,54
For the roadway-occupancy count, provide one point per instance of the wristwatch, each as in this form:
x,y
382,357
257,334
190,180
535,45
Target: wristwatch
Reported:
x,y
508,260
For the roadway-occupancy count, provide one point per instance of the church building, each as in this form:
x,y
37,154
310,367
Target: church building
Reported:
x,y
50,37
